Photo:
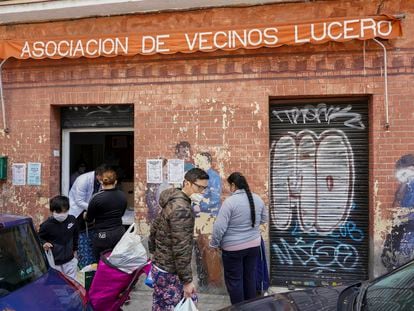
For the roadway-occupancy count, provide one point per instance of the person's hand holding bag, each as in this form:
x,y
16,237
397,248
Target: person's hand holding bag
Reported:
x,y
189,289
186,304
50,258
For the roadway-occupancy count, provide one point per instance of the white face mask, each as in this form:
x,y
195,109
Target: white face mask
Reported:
x,y
60,217
196,198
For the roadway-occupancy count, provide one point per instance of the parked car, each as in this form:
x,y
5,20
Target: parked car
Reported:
x,y
391,292
27,282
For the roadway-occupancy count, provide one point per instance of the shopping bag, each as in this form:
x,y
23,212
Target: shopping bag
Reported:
x,y
50,259
149,280
111,286
129,254
186,304
262,273
85,252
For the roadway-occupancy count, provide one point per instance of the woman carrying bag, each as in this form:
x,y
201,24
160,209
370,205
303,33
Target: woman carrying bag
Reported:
x,y
236,232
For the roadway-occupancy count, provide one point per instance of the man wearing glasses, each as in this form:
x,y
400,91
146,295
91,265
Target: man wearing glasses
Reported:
x,y
171,242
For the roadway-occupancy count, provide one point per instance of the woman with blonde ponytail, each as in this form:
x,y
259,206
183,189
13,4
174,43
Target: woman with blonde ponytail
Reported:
x,y
107,208
236,232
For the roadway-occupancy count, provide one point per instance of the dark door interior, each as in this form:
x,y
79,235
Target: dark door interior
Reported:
x,y
113,148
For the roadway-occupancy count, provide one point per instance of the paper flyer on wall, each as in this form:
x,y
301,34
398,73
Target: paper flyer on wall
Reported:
x,y
19,174
175,171
34,173
154,171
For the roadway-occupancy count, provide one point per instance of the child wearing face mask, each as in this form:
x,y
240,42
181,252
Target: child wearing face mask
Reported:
x,y
59,234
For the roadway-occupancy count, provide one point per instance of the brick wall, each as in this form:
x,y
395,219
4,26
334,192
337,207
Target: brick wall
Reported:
x,y
217,101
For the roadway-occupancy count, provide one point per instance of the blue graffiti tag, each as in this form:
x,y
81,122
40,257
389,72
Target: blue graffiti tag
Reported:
x,y
348,230
324,257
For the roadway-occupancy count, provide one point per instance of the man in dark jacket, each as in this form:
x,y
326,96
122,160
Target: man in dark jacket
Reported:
x,y
171,242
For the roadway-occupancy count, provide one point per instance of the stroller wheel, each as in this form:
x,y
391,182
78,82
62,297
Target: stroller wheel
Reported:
x,y
128,300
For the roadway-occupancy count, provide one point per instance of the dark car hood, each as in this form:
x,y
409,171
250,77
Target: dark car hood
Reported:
x,y
49,292
316,299
313,299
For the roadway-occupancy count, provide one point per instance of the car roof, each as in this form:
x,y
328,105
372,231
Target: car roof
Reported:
x,y
8,220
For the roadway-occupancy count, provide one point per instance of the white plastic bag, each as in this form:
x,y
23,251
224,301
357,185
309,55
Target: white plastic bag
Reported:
x,y
129,254
50,259
186,304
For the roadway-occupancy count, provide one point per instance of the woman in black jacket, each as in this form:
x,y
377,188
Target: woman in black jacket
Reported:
x,y
107,208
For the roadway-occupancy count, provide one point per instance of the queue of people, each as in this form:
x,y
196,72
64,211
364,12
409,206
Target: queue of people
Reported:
x,y
236,232
94,199
87,222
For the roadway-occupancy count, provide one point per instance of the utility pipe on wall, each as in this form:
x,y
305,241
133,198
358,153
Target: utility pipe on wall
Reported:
x,y
387,121
3,111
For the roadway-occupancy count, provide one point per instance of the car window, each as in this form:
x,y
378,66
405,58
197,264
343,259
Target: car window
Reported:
x,y
399,279
393,292
21,258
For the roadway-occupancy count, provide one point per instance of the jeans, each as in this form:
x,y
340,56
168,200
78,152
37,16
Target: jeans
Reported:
x,y
240,273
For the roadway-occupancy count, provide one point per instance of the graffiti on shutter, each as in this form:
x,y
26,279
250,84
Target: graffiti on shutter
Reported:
x,y
318,220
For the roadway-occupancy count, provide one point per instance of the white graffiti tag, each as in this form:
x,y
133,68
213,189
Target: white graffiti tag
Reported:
x,y
312,179
321,113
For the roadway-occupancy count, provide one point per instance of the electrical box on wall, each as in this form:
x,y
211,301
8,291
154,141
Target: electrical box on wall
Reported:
x,y
3,167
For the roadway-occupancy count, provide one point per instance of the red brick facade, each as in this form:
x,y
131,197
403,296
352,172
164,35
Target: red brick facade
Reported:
x,y
219,102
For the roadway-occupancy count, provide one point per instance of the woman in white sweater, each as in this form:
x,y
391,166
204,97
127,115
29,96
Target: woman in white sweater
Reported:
x,y
236,232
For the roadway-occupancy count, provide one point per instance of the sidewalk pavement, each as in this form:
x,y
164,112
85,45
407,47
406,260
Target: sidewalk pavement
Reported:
x,y
141,299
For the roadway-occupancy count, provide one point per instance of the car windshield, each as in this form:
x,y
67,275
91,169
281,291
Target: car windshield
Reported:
x,y
393,292
21,259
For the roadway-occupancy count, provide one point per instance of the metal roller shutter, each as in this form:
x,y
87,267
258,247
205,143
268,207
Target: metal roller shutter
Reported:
x,y
97,116
319,191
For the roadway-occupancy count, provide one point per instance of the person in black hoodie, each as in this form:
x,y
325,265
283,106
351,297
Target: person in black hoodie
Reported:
x,y
107,208
59,233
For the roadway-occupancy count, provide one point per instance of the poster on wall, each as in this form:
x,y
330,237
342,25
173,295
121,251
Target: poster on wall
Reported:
x,y
154,171
34,173
19,174
175,171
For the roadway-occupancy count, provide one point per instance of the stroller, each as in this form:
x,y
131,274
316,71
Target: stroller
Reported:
x,y
111,286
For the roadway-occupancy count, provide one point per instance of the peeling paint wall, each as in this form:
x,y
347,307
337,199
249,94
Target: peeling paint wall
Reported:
x,y
396,227
208,150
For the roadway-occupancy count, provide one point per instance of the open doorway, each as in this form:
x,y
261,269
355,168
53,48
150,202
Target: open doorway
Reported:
x,y
91,147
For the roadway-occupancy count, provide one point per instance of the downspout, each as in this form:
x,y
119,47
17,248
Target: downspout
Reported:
x,y
387,121
5,128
